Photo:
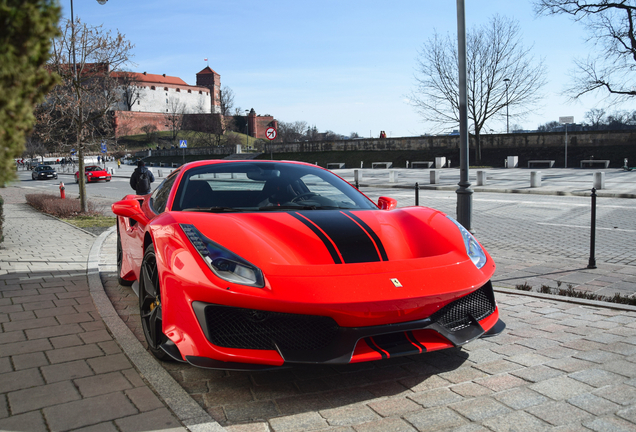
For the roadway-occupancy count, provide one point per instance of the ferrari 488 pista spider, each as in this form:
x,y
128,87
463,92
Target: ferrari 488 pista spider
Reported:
x,y
261,264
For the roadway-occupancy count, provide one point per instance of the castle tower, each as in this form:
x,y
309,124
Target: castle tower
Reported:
x,y
212,80
251,120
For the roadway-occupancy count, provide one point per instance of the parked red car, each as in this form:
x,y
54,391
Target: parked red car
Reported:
x,y
94,173
260,264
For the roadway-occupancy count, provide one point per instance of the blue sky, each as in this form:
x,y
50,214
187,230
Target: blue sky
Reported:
x,y
345,65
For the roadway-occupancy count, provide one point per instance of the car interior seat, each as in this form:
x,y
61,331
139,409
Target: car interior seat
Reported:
x,y
198,194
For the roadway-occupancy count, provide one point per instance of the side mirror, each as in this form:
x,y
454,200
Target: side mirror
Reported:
x,y
386,203
130,208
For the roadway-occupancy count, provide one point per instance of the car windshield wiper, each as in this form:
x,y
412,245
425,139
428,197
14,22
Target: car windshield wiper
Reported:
x,y
213,209
286,207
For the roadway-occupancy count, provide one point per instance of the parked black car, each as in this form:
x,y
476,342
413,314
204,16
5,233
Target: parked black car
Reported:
x,y
43,172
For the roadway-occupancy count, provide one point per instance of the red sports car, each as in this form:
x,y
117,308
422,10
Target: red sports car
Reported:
x,y
94,173
261,264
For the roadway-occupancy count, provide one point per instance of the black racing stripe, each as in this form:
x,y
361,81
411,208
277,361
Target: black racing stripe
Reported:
x,y
396,344
375,348
414,341
354,244
332,250
372,233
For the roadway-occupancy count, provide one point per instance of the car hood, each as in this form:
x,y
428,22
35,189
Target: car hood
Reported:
x,y
304,242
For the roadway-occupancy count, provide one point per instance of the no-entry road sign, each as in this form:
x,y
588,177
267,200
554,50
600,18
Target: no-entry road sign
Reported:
x,y
270,133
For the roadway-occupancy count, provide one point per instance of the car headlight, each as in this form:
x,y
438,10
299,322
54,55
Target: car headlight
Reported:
x,y
223,262
473,249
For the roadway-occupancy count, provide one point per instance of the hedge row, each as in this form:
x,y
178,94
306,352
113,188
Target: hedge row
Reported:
x,y
61,208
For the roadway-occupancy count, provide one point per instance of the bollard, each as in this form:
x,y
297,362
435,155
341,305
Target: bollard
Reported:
x,y
393,176
357,176
159,173
417,194
62,189
434,177
361,164
535,179
592,262
599,180
407,164
481,178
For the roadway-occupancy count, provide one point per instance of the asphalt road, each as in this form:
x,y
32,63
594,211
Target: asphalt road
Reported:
x,y
550,225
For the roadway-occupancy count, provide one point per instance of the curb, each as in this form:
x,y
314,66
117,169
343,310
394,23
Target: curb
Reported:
x,y
189,413
566,299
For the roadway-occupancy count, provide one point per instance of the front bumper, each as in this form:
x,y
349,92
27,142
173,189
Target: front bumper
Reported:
x,y
300,338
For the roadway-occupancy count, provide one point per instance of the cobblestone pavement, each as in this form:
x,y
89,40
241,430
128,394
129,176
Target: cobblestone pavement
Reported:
x,y
559,366
60,369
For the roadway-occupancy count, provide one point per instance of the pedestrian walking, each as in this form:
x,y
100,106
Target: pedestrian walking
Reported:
x,y
141,178
118,163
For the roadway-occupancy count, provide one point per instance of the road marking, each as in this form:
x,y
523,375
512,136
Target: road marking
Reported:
x,y
586,227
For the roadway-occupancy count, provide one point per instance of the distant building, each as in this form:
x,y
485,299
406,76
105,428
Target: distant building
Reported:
x,y
161,94
212,81
146,99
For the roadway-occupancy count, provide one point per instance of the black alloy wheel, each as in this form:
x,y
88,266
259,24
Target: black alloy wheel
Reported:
x,y
120,259
150,304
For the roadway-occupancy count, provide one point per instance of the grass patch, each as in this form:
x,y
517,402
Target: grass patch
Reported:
x,y
571,292
92,221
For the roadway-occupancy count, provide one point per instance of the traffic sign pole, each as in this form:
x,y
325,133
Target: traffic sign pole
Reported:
x,y
271,133
184,145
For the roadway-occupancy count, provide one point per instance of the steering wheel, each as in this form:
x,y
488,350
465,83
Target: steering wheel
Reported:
x,y
303,195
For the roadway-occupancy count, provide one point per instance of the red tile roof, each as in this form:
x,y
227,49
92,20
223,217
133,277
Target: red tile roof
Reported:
x,y
207,70
152,78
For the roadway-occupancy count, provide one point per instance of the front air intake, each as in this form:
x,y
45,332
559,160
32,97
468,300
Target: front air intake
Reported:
x,y
460,313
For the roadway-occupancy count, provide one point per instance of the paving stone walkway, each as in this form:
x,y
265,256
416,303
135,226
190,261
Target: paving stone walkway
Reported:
x,y
559,366
60,368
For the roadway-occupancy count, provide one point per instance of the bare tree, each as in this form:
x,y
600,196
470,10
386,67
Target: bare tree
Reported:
x,y
130,89
33,148
87,92
208,129
151,132
291,132
226,99
496,61
174,116
595,117
611,31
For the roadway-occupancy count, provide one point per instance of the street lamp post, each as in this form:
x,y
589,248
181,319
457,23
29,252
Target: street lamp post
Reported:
x,y
464,192
247,127
507,81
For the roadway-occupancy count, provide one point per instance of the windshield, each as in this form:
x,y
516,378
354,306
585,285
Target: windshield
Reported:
x,y
264,186
93,168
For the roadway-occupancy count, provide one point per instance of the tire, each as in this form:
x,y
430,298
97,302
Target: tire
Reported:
x,y
120,258
150,305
